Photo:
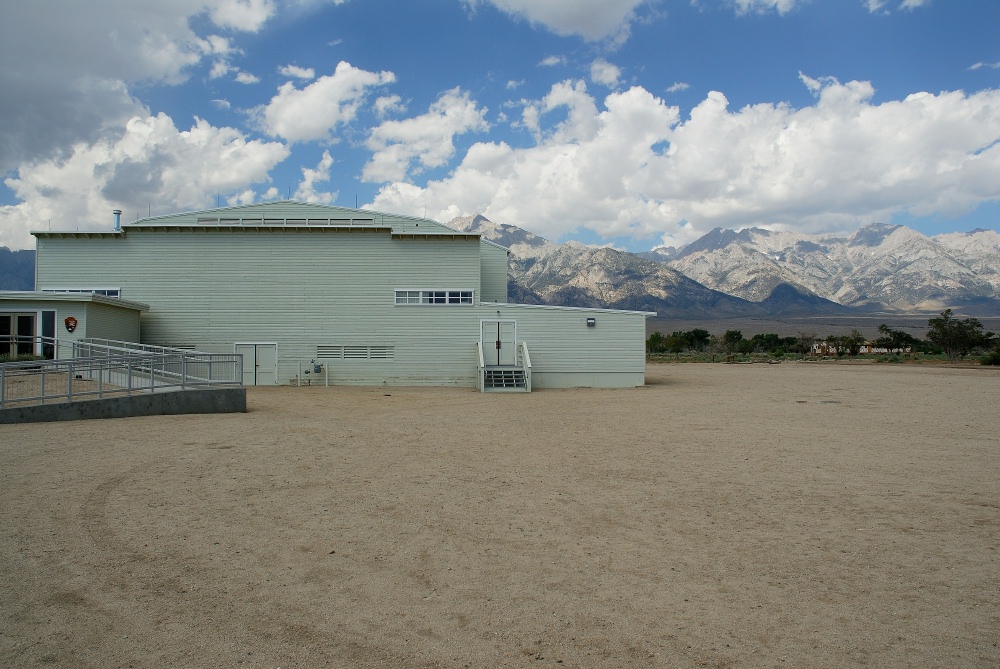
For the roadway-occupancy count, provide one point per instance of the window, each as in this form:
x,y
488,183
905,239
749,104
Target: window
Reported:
x,y
109,292
434,297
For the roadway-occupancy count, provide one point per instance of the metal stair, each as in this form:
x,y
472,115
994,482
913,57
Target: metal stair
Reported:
x,y
504,379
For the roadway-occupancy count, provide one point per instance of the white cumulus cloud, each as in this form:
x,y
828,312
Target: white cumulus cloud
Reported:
x,y
389,104
306,191
314,112
761,6
245,15
605,73
76,60
591,19
427,139
876,6
297,72
247,78
148,164
635,167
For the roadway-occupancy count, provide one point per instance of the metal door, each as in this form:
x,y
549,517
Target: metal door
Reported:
x,y
260,363
267,364
499,342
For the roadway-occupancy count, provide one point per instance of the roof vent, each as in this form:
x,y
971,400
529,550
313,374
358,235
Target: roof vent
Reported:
x,y
118,219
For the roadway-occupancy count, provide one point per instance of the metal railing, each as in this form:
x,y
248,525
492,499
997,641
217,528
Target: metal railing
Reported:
x,y
16,346
110,369
482,367
526,365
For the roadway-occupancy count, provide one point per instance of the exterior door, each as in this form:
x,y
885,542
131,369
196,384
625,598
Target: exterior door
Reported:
x,y
17,334
260,363
499,343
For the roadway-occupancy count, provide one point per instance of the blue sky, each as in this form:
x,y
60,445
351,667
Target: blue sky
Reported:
x,y
628,122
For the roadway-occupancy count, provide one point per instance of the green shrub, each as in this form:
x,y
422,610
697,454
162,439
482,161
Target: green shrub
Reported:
x,y
991,358
23,357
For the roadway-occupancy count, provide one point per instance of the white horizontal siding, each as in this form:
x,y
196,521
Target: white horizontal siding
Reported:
x,y
107,322
493,262
210,289
304,289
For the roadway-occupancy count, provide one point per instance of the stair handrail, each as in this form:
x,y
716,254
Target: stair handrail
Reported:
x,y
526,365
482,367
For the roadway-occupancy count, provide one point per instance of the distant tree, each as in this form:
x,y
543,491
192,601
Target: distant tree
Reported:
x,y
895,340
656,343
698,339
834,344
676,343
803,343
731,340
957,337
853,342
766,343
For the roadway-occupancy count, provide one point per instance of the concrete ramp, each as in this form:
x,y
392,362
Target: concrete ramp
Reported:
x,y
163,403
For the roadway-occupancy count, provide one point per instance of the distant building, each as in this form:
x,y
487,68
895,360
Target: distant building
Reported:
x,y
376,298
867,348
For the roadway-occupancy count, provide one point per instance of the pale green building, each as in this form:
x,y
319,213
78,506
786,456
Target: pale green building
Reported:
x,y
375,298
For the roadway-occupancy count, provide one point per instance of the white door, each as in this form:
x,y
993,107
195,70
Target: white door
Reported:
x,y
499,339
260,363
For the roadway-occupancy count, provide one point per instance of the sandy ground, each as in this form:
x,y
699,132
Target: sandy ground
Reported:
x,y
793,515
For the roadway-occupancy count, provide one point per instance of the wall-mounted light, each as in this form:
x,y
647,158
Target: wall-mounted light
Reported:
x,y
591,322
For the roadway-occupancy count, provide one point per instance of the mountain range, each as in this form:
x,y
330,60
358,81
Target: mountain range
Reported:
x,y
751,273
17,269
759,273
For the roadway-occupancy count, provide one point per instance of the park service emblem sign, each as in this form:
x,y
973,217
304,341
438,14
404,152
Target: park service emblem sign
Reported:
x,y
70,323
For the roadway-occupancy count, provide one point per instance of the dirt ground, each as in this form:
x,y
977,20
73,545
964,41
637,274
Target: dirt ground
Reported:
x,y
792,515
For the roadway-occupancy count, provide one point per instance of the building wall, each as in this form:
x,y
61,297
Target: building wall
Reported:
x,y
493,273
93,320
301,289
566,353
107,322
327,294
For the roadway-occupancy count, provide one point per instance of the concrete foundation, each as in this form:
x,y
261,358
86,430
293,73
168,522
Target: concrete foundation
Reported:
x,y
207,400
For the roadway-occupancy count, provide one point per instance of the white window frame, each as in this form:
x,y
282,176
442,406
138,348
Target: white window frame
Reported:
x,y
435,297
107,291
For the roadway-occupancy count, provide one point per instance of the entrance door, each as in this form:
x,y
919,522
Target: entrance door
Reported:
x,y
17,334
499,338
260,363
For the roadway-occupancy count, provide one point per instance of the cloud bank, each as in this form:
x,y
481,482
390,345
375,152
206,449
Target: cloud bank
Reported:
x,y
150,161
634,167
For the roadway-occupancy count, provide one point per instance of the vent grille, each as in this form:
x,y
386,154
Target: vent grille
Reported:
x,y
356,352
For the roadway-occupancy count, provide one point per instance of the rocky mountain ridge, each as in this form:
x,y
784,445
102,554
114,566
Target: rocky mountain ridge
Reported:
x,y
879,267
574,274
757,272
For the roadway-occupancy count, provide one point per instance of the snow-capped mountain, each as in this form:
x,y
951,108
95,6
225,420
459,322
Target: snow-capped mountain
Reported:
x,y
574,274
759,272
878,267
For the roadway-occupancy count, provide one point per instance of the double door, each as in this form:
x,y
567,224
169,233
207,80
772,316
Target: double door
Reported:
x,y
19,334
499,339
260,363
